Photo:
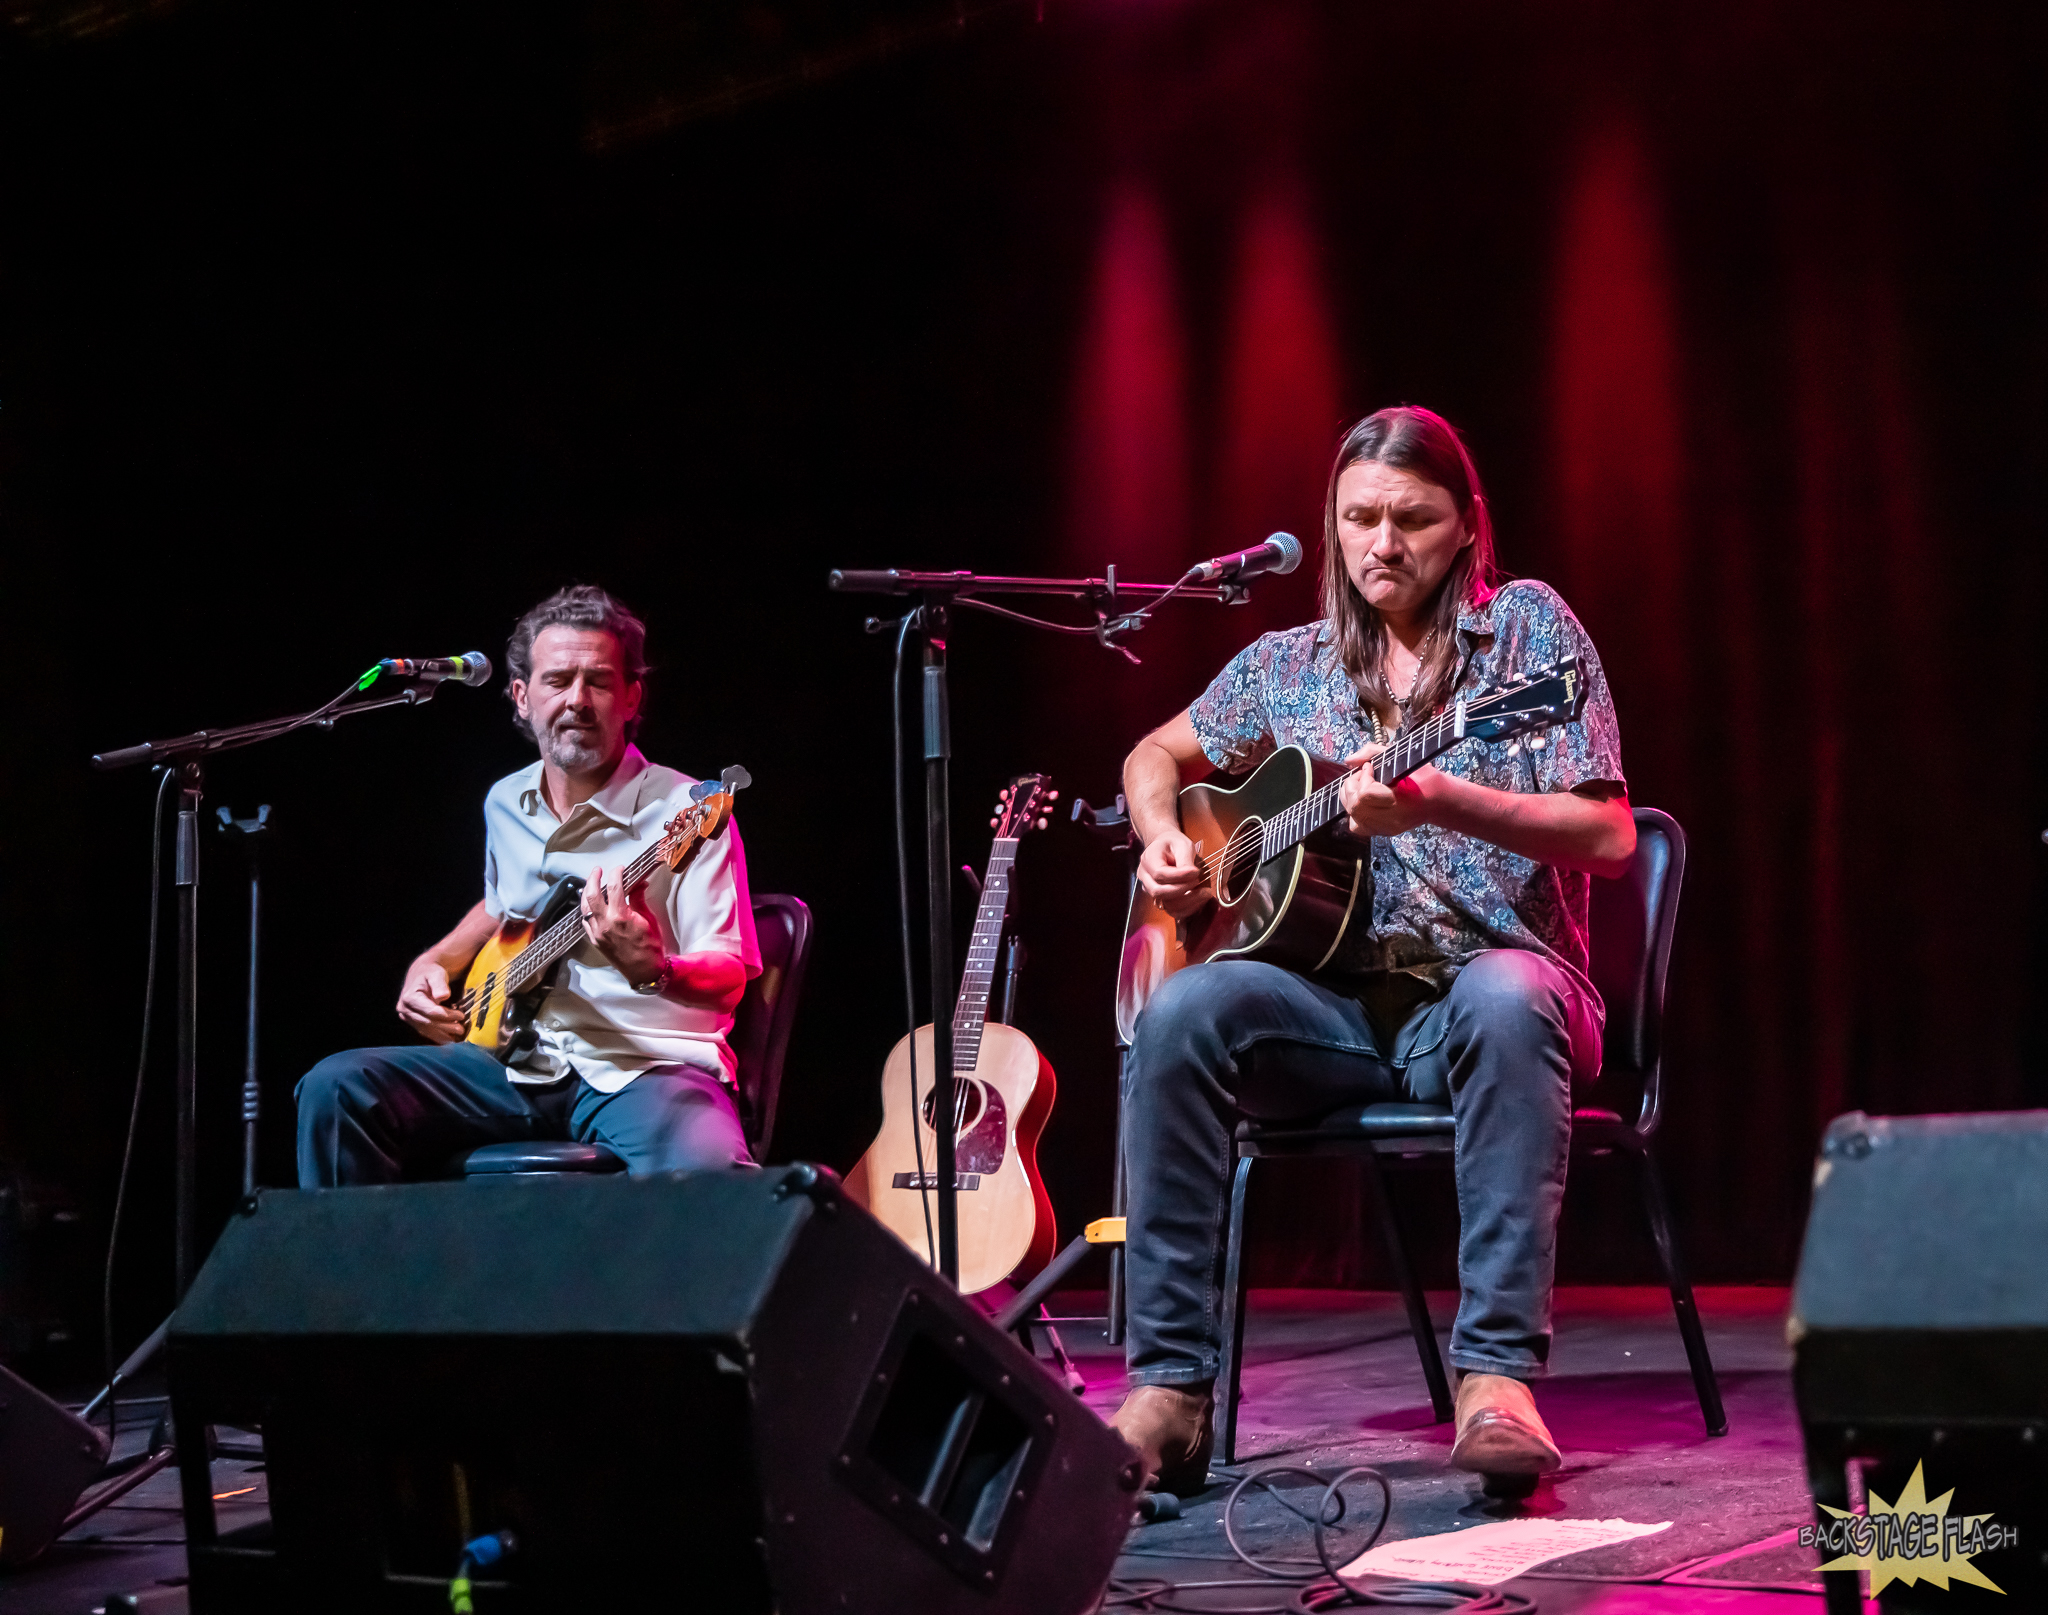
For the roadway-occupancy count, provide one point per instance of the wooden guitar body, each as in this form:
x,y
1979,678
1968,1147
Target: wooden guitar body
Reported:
x,y
1003,1091
502,1025
1297,909
1006,1219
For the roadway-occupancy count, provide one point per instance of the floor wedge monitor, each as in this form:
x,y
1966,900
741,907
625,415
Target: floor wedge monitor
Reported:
x,y
47,1456
716,1391
1920,1334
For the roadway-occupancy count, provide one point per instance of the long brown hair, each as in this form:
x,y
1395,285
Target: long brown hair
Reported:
x,y
1424,444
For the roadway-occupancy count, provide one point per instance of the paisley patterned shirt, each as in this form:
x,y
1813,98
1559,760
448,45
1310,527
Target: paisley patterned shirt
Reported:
x,y
1439,897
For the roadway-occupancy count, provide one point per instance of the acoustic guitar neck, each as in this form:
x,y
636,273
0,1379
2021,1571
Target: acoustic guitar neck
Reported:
x,y
1321,807
970,1014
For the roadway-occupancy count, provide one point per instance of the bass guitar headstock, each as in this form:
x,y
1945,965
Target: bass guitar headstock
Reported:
x,y
1555,695
1022,805
704,819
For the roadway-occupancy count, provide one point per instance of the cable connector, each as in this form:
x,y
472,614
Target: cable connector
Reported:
x,y
478,1554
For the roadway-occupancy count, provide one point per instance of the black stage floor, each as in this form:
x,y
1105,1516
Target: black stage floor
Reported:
x,y
1332,1380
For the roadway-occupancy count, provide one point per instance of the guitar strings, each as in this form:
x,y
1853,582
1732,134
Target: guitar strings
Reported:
x,y
1233,850
1311,808
560,937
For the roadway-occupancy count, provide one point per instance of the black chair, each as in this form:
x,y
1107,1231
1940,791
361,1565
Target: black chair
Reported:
x,y
1633,918
760,1038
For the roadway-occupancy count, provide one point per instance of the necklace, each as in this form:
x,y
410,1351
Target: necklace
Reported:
x,y
1421,656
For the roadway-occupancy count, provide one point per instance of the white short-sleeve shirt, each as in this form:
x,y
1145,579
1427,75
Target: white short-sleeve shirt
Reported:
x,y
591,1019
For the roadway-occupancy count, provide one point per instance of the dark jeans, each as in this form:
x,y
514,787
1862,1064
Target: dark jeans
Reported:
x,y
1235,1038
386,1115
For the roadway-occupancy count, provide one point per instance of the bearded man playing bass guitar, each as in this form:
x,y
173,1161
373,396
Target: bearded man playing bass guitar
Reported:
x,y
629,1045
1473,990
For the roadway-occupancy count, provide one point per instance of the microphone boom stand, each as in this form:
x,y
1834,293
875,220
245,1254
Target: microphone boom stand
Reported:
x,y
937,593
186,753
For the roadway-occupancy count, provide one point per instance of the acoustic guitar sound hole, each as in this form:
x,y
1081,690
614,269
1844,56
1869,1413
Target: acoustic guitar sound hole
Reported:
x,y
1242,865
969,1105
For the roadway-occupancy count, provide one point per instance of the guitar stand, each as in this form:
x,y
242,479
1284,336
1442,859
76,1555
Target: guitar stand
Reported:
x,y
1014,955
1114,826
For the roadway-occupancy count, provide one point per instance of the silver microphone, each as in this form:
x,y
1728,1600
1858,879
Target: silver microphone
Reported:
x,y
1280,553
474,668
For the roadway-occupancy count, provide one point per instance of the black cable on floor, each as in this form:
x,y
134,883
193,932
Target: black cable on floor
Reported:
x,y
1311,1593
156,863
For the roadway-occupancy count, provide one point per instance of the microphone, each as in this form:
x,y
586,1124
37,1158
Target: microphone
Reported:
x,y
475,668
1280,553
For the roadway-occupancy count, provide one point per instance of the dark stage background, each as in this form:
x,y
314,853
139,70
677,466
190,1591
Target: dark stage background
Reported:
x,y
338,331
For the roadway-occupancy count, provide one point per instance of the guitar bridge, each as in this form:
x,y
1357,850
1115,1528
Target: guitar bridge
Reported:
x,y
962,1181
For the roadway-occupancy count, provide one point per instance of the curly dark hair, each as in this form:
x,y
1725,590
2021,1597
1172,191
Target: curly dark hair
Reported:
x,y
580,605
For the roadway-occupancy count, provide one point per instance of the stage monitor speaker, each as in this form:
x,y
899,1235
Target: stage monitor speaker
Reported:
x,y
47,1458
1920,1333
714,1391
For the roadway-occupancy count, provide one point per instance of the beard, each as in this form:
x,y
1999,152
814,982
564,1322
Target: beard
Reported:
x,y
572,750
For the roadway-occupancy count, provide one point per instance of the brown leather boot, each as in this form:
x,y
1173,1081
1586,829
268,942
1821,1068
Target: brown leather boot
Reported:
x,y
1499,1430
1171,1429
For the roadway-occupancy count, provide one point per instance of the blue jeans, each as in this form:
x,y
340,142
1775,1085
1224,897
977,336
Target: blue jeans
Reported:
x,y
1235,1038
386,1115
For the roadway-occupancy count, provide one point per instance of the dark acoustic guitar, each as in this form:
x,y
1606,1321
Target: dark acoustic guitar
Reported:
x,y
1288,882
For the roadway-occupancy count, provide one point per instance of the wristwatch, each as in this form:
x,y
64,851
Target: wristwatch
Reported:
x,y
662,977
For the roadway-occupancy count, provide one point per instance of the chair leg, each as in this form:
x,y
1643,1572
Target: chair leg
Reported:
x,y
1231,1369
1704,1382
1419,1326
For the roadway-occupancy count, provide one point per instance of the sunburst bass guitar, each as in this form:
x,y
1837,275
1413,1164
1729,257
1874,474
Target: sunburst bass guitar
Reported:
x,y
1002,1091
512,972
1288,883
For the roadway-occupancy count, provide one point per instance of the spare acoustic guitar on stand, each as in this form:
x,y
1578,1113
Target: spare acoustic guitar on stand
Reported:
x,y
1288,884
1002,1093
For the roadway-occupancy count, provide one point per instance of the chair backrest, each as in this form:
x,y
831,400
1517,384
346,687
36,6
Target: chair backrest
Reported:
x,y
761,1023
1633,918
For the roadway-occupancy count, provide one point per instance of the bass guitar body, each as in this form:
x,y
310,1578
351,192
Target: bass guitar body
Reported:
x,y
512,972
501,1023
1298,908
1006,1219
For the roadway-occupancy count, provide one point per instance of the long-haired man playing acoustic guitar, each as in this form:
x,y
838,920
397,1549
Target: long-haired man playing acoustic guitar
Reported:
x,y
629,1048
1476,992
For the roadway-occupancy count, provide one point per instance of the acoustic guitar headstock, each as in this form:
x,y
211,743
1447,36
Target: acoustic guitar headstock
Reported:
x,y
1553,696
704,819
1022,805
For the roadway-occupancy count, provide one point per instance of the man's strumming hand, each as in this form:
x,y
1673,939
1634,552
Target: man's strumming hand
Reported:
x,y
1171,870
425,1006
